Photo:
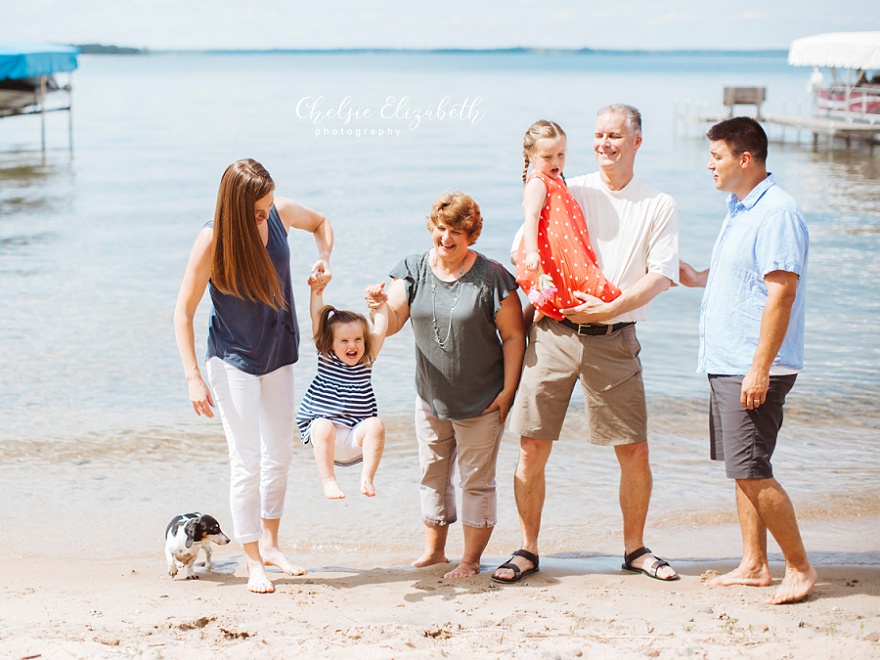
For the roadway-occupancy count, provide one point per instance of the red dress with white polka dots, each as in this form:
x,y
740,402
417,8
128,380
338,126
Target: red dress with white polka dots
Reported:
x,y
566,254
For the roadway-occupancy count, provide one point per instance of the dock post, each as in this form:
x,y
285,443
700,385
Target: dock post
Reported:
x,y
783,125
43,111
70,111
675,117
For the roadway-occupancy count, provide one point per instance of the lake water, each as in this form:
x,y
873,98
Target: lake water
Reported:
x,y
93,406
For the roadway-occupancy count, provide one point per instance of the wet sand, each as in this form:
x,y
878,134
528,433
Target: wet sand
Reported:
x,y
84,574
53,608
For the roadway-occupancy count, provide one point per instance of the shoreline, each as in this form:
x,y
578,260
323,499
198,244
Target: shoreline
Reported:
x,y
571,608
117,507
85,576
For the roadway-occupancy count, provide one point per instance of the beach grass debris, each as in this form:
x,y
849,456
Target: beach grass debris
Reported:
x,y
198,624
232,634
437,633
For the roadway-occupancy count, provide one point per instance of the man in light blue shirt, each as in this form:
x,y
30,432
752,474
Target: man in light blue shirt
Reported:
x,y
752,347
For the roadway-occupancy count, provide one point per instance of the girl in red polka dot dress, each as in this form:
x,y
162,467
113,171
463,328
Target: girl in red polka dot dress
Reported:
x,y
555,257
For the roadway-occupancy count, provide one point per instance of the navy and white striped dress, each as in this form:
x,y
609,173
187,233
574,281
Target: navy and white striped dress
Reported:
x,y
339,393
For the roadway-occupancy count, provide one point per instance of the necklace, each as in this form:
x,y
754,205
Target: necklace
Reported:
x,y
442,343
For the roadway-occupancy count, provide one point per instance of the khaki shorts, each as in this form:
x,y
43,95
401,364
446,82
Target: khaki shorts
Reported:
x,y
610,373
471,443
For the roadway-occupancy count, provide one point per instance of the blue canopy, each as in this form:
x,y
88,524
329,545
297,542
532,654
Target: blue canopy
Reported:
x,y
28,60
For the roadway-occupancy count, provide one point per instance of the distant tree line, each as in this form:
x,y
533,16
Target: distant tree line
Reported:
x,y
103,49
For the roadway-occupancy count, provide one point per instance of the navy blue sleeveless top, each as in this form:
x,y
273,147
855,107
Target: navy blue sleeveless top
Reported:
x,y
251,336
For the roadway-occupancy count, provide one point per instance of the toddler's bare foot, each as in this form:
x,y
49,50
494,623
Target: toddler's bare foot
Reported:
x,y
463,570
429,559
274,557
744,576
367,488
795,586
332,491
258,581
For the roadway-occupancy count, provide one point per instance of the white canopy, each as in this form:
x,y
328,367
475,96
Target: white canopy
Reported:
x,y
848,50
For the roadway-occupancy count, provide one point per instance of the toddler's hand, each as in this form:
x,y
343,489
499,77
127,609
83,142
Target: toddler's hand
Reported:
x,y
375,296
533,261
319,280
320,273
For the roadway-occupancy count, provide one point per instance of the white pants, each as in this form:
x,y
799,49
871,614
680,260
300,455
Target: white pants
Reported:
x,y
258,417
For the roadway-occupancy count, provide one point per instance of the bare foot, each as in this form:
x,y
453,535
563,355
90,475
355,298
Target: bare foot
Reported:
x,y
647,560
367,488
508,574
463,570
795,586
744,576
274,557
429,560
332,491
258,581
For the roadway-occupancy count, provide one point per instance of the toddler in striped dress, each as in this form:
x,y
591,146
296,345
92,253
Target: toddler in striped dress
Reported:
x,y
337,415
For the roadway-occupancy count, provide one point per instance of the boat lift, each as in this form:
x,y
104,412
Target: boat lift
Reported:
x,y
842,108
847,108
28,85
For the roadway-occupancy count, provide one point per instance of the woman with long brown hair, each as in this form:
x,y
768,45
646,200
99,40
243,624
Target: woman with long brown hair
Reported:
x,y
243,258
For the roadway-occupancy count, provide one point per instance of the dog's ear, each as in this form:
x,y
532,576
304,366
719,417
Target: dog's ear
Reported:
x,y
190,529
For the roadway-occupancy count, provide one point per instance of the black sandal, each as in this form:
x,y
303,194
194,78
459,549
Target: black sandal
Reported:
x,y
651,571
518,573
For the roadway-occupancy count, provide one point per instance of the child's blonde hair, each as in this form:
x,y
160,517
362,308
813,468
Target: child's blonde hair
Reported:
x,y
329,317
540,129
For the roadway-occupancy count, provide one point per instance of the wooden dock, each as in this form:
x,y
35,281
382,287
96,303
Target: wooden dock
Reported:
x,y
848,130
862,127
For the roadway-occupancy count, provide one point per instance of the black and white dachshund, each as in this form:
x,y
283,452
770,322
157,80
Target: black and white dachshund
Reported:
x,y
184,536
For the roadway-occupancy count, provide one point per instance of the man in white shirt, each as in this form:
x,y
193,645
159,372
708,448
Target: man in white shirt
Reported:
x,y
633,229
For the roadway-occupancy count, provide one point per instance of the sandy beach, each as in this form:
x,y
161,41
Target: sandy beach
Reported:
x,y
89,580
99,446
574,608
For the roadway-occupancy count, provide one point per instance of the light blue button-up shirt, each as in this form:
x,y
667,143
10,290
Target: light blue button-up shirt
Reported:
x,y
763,233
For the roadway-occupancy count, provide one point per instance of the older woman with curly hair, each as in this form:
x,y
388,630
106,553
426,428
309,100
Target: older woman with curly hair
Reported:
x,y
467,322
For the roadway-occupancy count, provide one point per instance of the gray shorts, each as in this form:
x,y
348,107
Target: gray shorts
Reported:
x,y
610,374
745,439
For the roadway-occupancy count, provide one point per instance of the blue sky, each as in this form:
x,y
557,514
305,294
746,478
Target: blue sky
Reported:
x,y
633,24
